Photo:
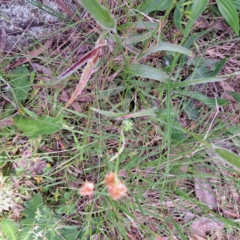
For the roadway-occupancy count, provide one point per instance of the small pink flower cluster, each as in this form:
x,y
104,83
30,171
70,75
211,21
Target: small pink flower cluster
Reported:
x,y
116,188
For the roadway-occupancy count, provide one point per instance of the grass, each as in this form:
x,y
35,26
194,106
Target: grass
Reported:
x,y
162,152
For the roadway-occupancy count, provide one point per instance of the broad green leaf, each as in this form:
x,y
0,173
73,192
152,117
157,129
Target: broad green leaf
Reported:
x,y
70,234
198,81
148,72
148,6
236,96
211,102
101,14
31,207
197,8
194,37
34,127
20,84
167,47
229,12
9,229
229,157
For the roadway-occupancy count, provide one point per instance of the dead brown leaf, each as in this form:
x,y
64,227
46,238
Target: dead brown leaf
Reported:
x,y
37,167
42,69
204,226
92,60
66,95
204,192
87,57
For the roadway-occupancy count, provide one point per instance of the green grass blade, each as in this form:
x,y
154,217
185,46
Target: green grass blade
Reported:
x,y
9,229
229,157
132,40
139,25
198,81
167,47
100,14
204,72
178,15
154,5
148,72
211,102
229,12
108,113
236,96
142,113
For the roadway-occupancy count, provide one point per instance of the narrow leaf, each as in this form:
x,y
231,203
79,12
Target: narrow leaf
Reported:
x,y
236,96
197,8
139,25
204,72
148,72
167,47
85,75
198,81
229,12
178,15
100,14
131,40
142,113
107,113
87,57
211,102
154,5
229,157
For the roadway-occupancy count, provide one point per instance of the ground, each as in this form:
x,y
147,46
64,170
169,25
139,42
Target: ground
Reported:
x,y
119,122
